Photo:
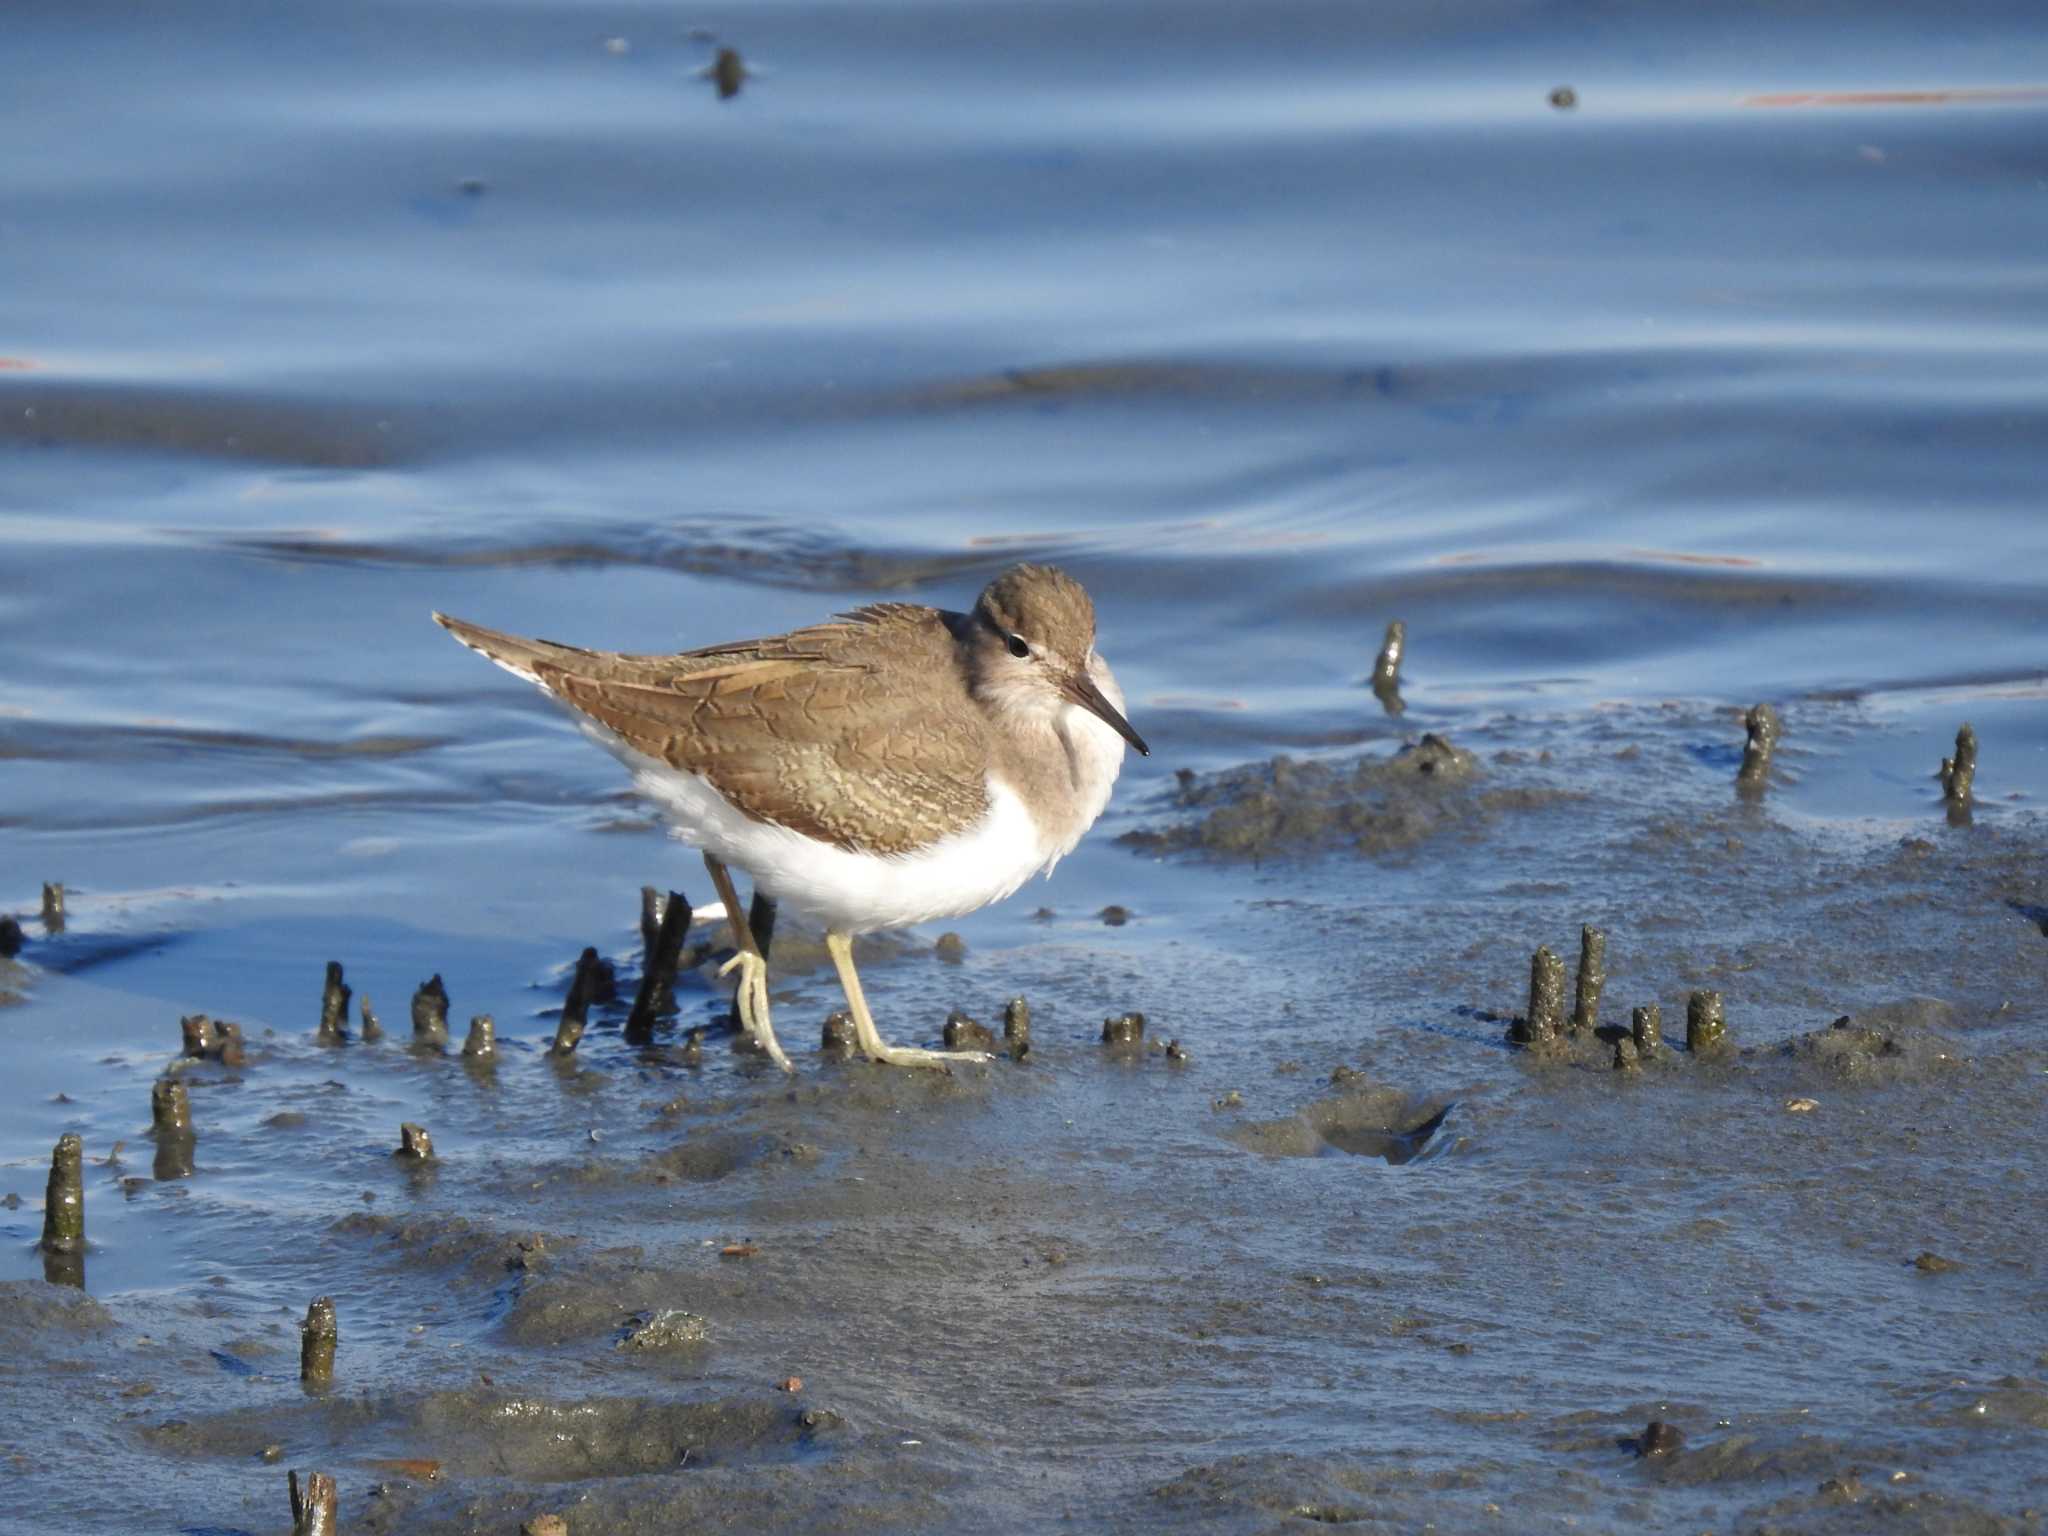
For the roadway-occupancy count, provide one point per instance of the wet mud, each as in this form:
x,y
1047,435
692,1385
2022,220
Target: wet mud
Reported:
x,y
1312,1239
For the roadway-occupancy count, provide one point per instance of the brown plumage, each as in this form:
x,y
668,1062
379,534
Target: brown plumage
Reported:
x,y
806,730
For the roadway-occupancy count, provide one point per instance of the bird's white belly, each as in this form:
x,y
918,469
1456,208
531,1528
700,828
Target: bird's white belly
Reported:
x,y
851,892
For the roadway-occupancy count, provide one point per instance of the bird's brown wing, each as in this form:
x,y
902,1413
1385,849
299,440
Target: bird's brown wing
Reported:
x,y
852,731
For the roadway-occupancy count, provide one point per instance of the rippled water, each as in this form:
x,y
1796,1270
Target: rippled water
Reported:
x,y
1722,382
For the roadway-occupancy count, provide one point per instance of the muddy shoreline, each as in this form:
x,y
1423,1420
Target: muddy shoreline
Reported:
x,y
1351,1257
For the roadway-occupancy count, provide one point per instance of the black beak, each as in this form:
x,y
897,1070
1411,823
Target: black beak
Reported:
x,y
1082,690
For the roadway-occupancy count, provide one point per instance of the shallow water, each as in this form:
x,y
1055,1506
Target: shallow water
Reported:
x,y
1721,385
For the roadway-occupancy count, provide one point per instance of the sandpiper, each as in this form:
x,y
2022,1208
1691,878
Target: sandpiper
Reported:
x,y
894,765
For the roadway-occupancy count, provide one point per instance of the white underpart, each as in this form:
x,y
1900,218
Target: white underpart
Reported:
x,y
852,892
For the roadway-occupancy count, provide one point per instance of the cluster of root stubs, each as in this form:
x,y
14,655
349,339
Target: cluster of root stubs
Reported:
x,y
211,1039
1764,728
1544,1028
664,923
1958,774
1386,669
1124,1035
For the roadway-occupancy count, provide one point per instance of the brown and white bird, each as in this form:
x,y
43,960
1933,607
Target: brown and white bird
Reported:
x,y
894,765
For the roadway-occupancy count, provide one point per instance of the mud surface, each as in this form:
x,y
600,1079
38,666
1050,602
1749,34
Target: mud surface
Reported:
x,y
1362,1262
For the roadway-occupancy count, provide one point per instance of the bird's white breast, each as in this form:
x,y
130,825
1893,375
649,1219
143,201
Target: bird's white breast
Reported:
x,y
850,892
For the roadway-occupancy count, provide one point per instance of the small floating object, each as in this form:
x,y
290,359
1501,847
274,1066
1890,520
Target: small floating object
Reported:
x,y
728,70
739,1250
1801,1106
1564,98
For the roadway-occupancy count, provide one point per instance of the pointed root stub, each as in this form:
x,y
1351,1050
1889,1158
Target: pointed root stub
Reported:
x,y
593,975
482,1044
1124,1031
414,1143
1386,669
1646,1028
1763,727
64,1203
170,1107
1958,774
53,907
837,1038
430,1013
1626,1057
1592,979
1544,1021
333,1007
373,1030
965,1034
656,995
318,1337
1706,1023
315,1502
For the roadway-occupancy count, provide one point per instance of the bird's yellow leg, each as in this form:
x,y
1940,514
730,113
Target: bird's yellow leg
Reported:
x,y
865,1035
751,998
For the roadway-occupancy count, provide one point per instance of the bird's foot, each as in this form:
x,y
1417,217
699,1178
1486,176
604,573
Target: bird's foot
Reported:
x,y
913,1056
750,1001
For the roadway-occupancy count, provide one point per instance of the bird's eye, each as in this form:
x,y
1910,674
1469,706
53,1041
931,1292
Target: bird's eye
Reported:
x,y
1018,648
